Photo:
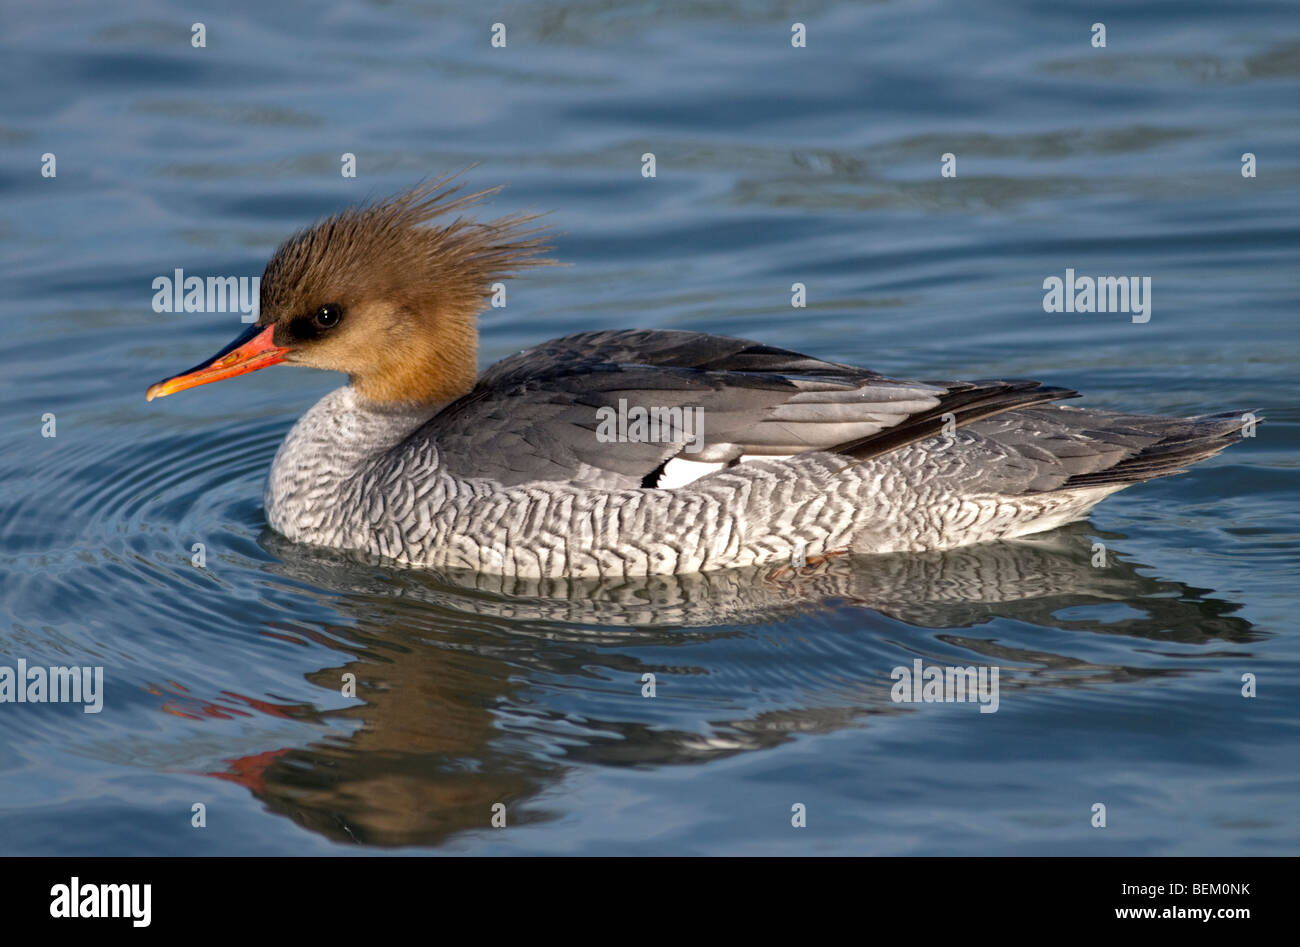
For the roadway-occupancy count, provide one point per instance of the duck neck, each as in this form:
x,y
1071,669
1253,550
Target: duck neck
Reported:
x,y
324,459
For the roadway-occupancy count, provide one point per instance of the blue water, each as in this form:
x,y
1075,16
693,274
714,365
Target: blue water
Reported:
x,y
1120,685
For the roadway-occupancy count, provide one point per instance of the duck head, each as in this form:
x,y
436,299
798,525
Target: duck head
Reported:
x,y
375,293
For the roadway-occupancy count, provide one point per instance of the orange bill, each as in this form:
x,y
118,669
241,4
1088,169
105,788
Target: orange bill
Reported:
x,y
253,349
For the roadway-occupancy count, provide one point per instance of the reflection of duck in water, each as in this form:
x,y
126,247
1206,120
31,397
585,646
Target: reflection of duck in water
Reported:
x,y
477,690
636,452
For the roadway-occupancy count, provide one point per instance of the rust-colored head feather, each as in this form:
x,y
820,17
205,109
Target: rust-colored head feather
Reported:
x,y
378,292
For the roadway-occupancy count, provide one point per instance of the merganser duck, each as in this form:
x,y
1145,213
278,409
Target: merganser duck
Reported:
x,y
551,462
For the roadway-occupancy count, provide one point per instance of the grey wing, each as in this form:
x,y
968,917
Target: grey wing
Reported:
x,y
545,414
669,348
1062,448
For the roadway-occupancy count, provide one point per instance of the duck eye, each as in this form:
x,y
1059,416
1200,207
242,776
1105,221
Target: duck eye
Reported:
x,y
328,316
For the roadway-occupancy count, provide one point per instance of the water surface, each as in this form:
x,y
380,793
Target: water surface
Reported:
x,y
1119,685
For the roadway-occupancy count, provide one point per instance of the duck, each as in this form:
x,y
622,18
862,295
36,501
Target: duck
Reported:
x,y
635,452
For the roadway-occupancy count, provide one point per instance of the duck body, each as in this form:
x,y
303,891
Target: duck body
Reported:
x,y
795,458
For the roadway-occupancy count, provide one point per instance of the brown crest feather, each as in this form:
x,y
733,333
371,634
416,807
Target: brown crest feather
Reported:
x,y
410,289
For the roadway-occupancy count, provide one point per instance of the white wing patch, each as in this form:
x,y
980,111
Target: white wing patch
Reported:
x,y
679,471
